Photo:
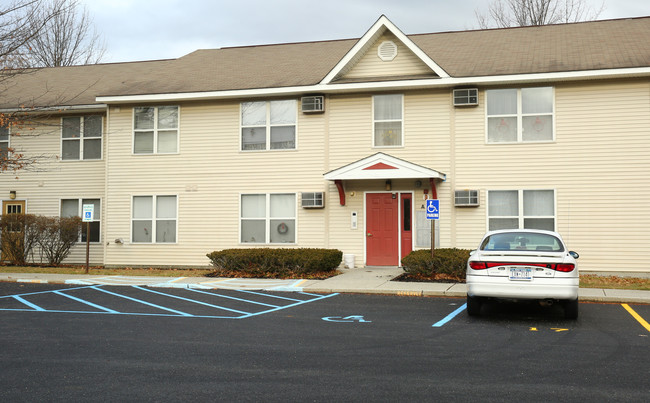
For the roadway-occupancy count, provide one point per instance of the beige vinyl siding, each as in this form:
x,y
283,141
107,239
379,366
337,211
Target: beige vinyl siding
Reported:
x,y
596,166
209,175
406,63
45,183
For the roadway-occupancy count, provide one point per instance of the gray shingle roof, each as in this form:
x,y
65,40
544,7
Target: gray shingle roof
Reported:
x,y
595,45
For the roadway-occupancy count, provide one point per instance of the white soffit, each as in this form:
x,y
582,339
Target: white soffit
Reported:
x,y
382,166
382,25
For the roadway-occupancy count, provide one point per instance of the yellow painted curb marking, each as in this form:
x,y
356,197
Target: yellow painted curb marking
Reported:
x,y
178,279
301,282
637,316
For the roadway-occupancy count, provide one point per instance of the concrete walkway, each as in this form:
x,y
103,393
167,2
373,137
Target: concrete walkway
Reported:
x,y
367,280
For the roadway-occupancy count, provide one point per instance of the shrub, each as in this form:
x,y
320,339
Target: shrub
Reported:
x,y
57,236
448,261
266,262
20,233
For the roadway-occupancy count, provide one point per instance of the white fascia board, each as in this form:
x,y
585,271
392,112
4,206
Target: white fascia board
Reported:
x,y
83,108
384,85
382,24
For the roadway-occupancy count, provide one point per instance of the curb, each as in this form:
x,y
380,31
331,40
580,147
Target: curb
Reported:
x,y
586,294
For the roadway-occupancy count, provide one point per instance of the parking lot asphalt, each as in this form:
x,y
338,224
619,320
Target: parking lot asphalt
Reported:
x,y
366,280
134,343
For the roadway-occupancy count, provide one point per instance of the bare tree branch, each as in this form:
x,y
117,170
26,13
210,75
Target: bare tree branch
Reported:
x,y
519,13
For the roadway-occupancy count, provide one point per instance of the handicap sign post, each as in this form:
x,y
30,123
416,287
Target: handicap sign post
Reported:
x,y
433,214
87,217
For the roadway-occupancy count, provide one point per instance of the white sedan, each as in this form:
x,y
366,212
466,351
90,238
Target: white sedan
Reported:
x,y
523,265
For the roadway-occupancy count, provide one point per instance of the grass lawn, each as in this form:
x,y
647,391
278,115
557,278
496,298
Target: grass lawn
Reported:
x,y
108,272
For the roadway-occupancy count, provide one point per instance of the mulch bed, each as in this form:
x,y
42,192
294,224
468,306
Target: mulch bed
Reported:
x,y
436,278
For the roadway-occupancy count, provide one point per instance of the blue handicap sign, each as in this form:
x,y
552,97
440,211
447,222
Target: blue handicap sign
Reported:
x,y
433,209
89,215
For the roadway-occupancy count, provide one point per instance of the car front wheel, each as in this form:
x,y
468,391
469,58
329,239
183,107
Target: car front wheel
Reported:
x,y
474,306
571,309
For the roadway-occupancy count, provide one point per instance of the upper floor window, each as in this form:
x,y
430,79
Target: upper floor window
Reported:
x,y
515,209
155,130
387,119
268,125
81,138
4,143
520,115
73,208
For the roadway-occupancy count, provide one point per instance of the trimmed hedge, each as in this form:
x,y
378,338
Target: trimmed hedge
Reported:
x,y
266,262
449,261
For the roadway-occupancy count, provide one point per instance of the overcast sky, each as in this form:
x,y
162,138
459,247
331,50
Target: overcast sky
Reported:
x,y
160,29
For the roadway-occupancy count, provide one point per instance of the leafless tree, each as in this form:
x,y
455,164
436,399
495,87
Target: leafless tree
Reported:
x,y
519,13
68,38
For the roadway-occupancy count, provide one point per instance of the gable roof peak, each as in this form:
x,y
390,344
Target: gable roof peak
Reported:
x,y
380,27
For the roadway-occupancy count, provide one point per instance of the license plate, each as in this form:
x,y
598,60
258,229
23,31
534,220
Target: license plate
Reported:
x,y
521,273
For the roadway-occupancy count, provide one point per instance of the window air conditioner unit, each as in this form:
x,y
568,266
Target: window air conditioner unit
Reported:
x,y
466,97
466,198
313,104
313,200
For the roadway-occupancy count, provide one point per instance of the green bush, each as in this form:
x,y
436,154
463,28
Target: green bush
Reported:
x,y
449,261
266,262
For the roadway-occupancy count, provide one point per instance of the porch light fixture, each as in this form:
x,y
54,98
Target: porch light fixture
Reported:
x,y
389,185
12,194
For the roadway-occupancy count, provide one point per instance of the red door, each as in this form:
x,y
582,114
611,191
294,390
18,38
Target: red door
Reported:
x,y
382,229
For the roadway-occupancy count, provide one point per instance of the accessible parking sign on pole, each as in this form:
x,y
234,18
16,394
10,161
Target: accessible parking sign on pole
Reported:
x,y
88,216
433,209
433,214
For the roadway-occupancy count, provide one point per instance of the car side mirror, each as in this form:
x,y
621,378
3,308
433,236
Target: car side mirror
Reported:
x,y
574,254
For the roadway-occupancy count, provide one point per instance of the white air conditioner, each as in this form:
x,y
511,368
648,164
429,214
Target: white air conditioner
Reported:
x,y
313,104
465,97
313,200
466,198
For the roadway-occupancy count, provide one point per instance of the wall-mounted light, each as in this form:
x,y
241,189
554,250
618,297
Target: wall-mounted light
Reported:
x,y
418,184
119,241
389,185
12,194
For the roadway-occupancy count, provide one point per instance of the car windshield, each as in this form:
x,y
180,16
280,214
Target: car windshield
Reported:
x,y
522,241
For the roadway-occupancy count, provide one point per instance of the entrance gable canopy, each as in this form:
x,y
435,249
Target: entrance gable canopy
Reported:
x,y
382,166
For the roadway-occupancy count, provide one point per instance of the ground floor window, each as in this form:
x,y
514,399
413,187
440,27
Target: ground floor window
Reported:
x,y
74,207
154,219
268,218
513,209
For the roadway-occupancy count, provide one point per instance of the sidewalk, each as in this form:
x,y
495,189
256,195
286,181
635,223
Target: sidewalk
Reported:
x,y
367,280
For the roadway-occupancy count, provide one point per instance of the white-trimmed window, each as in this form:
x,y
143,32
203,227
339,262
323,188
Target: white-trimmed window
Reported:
x,y
74,208
4,143
520,115
268,218
388,125
268,125
154,219
155,130
514,209
81,138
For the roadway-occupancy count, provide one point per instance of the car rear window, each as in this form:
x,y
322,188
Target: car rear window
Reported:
x,y
522,241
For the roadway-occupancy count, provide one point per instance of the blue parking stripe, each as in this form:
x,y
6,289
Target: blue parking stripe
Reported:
x,y
85,302
192,300
236,299
289,306
24,301
141,301
450,316
269,295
